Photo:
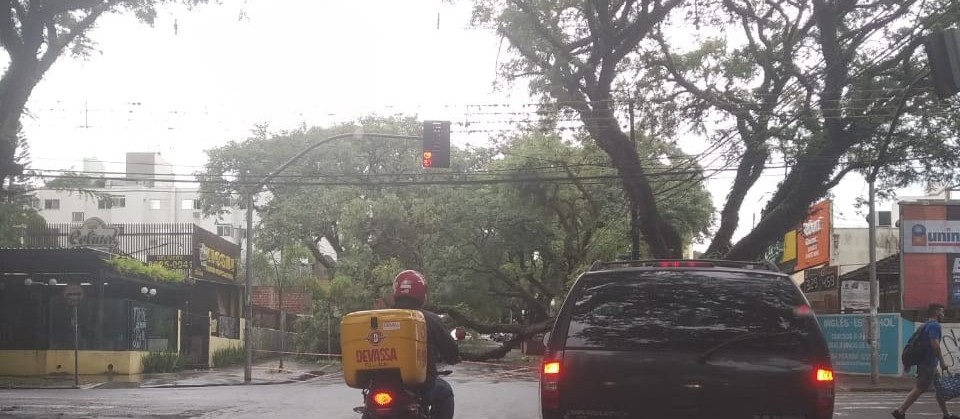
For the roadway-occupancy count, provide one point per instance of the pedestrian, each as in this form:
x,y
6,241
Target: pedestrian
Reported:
x,y
930,334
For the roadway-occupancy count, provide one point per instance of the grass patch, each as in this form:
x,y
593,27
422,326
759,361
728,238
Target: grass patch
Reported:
x,y
233,355
155,362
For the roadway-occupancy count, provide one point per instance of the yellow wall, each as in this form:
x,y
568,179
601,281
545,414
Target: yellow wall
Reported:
x,y
217,343
33,363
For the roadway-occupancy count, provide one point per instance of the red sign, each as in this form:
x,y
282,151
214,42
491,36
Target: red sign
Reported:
x,y
813,237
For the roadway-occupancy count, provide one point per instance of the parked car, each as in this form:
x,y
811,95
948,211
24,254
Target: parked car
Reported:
x,y
685,339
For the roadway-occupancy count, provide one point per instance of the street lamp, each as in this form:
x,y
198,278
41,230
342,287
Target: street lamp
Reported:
x,y
149,292
248,265
27,281
51,282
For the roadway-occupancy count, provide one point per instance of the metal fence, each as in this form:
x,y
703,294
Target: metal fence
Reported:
x,y
138,240
269,340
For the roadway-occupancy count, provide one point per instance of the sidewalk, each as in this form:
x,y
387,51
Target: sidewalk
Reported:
x,y
263,373
864,383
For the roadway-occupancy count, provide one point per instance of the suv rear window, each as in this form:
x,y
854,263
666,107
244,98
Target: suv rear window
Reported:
x,y
688,309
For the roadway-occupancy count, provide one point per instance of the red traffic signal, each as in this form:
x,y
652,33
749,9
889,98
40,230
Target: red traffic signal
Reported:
x,y
436,144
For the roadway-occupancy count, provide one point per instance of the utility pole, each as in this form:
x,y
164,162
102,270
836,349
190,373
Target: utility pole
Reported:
x,y
276,268
874,282
248,305
873,325
634,228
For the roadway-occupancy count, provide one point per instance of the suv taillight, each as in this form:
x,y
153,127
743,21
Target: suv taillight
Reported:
x,y
550,373
824,387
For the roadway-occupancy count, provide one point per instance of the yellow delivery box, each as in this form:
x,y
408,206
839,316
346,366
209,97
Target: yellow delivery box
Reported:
x,y
383,341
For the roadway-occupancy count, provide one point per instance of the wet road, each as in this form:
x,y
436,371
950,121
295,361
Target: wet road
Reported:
x,y
879,405
481,393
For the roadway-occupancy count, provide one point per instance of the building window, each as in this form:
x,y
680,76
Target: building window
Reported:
x,y
78,217
51,204
225,231
115,201
154,204
883,219
190,204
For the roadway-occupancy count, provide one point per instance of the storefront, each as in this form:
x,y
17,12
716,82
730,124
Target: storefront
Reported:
x,y
120,315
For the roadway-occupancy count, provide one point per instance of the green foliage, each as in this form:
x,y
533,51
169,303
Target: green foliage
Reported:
x,y
492,249
14,218
159,362
153,271
231,355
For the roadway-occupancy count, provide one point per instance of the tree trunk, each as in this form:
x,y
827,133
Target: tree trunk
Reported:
x,y
18,82
658,233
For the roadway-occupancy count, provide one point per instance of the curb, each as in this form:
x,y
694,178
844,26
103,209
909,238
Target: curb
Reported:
x,y
41,388
267,383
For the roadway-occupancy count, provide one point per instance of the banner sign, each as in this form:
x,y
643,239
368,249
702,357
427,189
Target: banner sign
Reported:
x,y
855,296
813,237
849,349
215,257
931,236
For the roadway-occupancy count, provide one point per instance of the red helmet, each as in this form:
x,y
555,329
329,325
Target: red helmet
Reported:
x,y
411,284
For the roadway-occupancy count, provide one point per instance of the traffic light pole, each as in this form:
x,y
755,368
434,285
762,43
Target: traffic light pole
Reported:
x,y
248,265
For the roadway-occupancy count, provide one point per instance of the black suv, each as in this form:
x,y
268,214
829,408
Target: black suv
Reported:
x,y
685,339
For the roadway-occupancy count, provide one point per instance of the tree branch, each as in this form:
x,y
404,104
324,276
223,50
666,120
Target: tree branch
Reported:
x,y
8,34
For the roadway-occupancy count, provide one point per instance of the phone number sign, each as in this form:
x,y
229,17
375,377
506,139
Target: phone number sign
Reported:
x,y
178,262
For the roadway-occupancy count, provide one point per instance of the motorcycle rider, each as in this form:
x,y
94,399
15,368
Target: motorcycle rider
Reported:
x,y
410,293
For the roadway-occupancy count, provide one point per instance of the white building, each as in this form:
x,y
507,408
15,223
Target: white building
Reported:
x,y
143,194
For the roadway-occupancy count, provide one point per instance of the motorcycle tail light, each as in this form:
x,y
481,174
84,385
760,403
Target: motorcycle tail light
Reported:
x,y
382,398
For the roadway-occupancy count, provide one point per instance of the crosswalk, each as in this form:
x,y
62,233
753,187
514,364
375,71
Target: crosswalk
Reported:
x,y
863,405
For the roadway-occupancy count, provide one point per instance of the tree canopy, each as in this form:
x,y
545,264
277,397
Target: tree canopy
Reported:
x,y
820,89
34,34
500,235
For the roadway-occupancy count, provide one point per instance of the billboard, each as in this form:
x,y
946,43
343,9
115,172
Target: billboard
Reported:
x,y
215,258
930,232
813,237
931,236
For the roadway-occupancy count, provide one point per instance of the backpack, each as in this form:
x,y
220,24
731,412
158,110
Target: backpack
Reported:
x,y
913,351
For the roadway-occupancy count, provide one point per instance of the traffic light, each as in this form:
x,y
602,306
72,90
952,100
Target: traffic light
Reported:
x,y
436,144
943,53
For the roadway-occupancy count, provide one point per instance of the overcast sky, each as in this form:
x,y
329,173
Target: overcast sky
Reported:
x,y
199,79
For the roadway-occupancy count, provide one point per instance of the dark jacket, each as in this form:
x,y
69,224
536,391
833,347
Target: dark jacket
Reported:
x,y
441,347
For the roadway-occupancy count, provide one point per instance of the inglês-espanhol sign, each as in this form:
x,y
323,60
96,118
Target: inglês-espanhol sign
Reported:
x,y
93,233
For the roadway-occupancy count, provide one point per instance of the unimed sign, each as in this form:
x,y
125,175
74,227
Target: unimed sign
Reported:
x,y
930,241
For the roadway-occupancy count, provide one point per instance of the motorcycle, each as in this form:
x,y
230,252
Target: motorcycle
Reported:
x,y
385,355
387,398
